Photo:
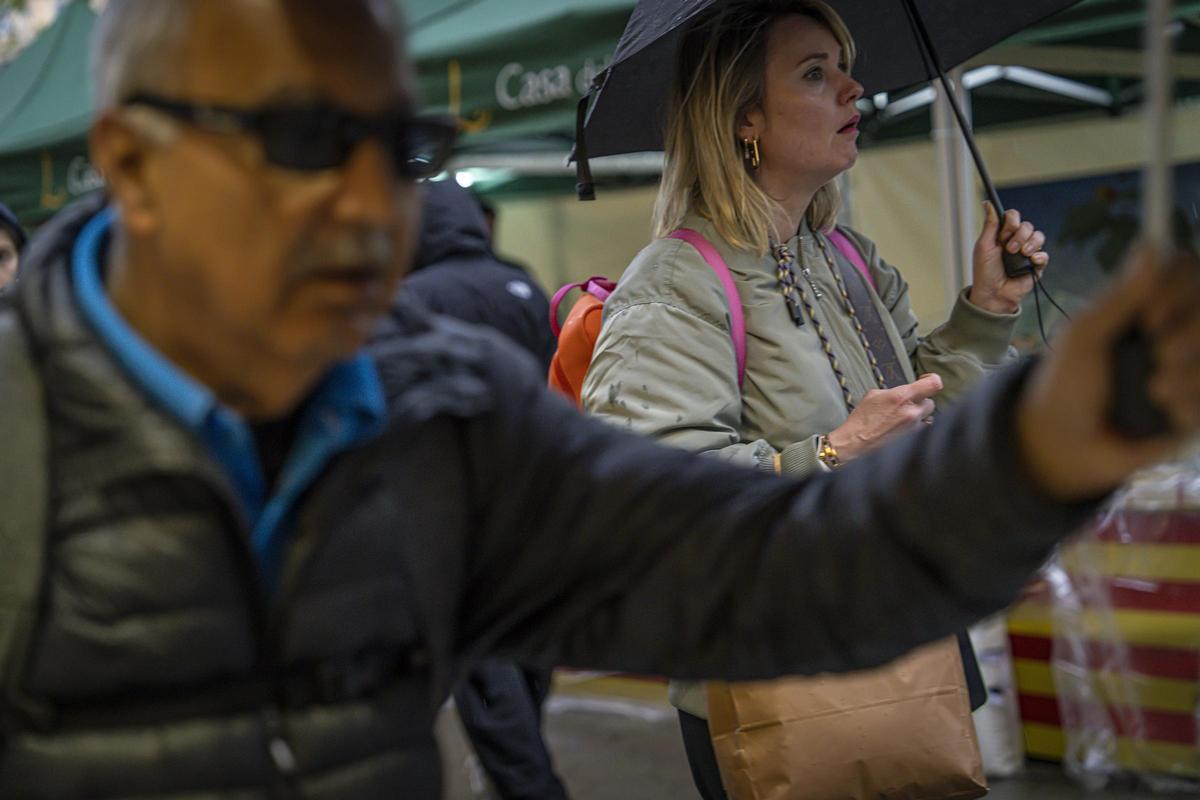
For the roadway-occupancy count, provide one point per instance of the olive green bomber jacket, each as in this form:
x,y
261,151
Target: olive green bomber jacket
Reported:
x,y
665,366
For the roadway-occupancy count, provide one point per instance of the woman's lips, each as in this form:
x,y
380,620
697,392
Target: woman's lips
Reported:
x,y
851,126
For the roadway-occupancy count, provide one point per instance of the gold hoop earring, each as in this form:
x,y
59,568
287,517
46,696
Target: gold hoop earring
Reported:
x,y
750,152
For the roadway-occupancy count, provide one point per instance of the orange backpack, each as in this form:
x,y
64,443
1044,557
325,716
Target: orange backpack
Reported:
x,y
577,336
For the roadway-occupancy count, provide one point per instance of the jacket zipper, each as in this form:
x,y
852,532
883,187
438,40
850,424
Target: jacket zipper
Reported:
x,y
265,618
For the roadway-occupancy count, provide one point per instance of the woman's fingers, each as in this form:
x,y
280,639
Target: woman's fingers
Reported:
x,y
1020,237
1012,222
1017,236
1034,243
991,221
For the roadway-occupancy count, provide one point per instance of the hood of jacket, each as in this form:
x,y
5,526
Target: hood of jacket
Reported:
x,y
452,225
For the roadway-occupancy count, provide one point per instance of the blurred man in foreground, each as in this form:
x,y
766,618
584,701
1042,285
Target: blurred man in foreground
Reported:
x,y
267,554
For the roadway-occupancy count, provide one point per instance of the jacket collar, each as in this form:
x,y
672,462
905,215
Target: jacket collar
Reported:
x,y
428,365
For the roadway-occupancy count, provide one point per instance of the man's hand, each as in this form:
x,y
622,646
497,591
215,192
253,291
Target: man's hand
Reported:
x,y
883,414
1066,440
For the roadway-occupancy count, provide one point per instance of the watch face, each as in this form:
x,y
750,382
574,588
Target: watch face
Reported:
x,y
827,454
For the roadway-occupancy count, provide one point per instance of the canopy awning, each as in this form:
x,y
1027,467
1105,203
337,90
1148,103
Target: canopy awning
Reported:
x,y
513,71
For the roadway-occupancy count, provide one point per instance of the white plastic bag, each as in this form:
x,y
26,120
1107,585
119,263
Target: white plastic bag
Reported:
x,y
1126,658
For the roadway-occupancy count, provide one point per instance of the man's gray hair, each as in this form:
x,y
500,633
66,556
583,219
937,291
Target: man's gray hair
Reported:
x,y
137,46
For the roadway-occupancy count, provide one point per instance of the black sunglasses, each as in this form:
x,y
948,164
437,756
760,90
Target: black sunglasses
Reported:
x,y
309,138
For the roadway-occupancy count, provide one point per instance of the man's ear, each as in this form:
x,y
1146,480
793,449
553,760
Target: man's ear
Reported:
x,y
119,149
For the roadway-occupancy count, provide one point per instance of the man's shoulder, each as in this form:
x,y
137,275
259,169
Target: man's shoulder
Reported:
x,y
430,364
477,275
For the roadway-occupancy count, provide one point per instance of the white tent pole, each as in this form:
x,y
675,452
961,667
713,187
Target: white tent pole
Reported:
x,y
958,200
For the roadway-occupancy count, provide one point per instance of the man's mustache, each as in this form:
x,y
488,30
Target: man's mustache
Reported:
x,y
358,251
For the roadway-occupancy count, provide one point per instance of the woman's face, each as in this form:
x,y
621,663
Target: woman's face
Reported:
x,y
8,258
807,126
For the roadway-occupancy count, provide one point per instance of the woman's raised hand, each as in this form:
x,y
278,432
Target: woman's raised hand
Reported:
x,y
992,289
883,414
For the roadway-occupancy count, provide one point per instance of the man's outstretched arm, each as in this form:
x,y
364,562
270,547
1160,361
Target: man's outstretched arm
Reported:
x,y
601,550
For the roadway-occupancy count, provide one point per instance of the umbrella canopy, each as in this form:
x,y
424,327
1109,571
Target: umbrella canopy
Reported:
x,y
1096,45
629,112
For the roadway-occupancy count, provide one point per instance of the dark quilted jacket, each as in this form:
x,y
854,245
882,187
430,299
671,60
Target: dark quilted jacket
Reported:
x,y
489,518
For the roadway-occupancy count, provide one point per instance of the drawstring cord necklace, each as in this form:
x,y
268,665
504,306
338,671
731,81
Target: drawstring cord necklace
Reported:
x,y
800,305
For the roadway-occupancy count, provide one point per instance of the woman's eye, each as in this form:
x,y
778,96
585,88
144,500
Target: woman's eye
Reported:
x,y
815,74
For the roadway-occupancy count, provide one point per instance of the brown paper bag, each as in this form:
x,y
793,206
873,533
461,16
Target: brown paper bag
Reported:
x,y
900,732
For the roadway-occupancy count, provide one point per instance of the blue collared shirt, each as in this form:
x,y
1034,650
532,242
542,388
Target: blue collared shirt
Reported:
x,y
345,409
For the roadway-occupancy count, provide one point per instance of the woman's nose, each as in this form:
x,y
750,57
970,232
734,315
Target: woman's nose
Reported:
x,y
851,91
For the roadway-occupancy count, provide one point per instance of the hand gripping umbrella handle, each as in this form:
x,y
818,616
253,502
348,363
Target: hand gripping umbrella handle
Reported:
x,y
1132,413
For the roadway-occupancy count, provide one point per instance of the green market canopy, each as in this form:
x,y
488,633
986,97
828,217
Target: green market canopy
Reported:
x,y
45,107
512,72
509,71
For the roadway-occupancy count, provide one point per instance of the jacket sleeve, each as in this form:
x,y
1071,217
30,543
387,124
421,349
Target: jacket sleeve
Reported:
x,y
669,372
961,350
602,550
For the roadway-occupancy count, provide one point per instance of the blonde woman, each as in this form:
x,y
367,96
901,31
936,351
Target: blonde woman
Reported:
x,y
763,122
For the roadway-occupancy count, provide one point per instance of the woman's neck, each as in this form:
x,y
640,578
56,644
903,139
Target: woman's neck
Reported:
x,y
792,204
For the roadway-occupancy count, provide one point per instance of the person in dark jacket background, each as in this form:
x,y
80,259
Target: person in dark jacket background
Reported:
x,y
456,273
12,239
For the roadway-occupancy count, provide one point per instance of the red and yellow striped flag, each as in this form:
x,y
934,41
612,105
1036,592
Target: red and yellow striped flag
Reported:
x,y
1139,627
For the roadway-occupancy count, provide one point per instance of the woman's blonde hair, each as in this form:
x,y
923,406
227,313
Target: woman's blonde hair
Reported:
x,y
720,75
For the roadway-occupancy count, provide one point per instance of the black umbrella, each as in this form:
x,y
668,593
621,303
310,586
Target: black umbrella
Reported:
x,y
900,43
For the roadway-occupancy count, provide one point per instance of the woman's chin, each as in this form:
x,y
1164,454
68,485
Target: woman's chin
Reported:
x,y
849,162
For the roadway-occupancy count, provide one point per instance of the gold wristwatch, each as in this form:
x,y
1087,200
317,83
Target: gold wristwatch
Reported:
x,y
827,453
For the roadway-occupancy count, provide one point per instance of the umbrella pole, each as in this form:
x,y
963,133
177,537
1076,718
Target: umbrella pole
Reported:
x,y
1157,184
1132,412
1014,264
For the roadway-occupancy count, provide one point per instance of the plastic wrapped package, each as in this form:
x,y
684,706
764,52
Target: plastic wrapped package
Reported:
x,y
1125,662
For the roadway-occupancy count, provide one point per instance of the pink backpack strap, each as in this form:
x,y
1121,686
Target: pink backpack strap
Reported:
x,y
737,319
847,248
597,286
